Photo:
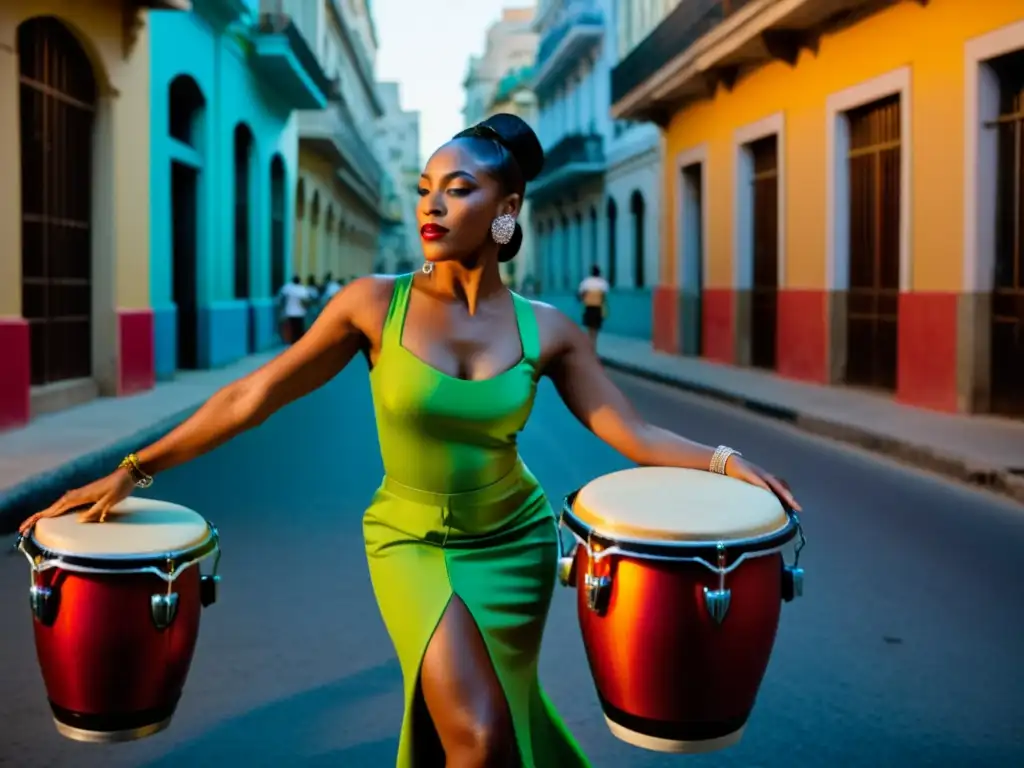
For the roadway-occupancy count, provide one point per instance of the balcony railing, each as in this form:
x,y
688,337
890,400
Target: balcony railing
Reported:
x,y
280,24
362,157
681,28
582,25
573,158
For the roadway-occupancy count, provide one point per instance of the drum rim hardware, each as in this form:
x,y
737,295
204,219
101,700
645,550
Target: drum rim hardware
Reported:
x,y
43,558
746,548
717,600
163,606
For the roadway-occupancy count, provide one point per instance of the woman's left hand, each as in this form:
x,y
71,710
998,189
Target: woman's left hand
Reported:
x,y
740,469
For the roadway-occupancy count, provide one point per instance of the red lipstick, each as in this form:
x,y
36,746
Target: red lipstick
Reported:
x,y
432,231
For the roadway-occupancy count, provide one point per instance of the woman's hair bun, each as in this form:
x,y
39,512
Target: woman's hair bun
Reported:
x,y
516,135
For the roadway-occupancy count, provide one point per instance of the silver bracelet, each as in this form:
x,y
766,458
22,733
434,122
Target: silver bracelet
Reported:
x,y
720,458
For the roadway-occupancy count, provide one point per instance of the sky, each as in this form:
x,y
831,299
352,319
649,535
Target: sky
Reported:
x,y
431,67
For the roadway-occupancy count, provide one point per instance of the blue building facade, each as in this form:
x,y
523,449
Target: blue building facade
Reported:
x,y
225,84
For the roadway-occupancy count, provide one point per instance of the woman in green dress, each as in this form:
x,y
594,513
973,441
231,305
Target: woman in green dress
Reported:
x,y
461,542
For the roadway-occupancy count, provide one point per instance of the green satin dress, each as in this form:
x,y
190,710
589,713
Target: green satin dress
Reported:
x,y
458,513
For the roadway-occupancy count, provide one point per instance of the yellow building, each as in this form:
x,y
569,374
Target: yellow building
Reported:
x,y
844,189
75,317
339,208
513,96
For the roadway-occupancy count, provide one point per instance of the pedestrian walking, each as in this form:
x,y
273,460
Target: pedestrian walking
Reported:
x,y
460,538
294,296
593,293
331,287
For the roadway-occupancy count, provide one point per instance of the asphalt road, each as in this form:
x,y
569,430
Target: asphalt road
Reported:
x,y
905,651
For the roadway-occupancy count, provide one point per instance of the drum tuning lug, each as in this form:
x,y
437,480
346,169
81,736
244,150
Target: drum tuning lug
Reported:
x,y
163,609
598,588
208,589
567,570
44,604
792,583
717,602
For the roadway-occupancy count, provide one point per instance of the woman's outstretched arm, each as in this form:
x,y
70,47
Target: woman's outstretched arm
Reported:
x,y
593,398
328,346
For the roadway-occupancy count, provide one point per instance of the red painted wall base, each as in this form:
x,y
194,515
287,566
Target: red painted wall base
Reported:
x,y
16,380
718,324
802,335
927,351
137,365
665,325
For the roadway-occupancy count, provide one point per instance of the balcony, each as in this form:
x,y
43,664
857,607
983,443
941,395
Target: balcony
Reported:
x,y
511,84
282,55
574,159
702,44
331,133
579,30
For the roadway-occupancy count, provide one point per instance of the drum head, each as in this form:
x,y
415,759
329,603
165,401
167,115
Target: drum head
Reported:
x,y
678,505
133,527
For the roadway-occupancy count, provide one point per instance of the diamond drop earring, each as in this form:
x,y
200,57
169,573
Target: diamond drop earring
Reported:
x,y
502,228
427,268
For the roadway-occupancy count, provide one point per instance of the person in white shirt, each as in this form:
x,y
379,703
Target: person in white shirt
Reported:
x,y
295,296
593,292
331,287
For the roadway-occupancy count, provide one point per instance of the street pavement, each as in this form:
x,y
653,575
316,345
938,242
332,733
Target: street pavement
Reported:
x,y
904,651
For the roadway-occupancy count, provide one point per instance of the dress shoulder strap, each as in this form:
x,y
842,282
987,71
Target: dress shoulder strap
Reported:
x,y
395,320
529,331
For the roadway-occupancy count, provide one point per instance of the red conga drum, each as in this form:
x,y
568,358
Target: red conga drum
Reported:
x,y
116,614
680,578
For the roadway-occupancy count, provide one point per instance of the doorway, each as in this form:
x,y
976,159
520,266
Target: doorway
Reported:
x,y
184,237
691,315
243,240
874,162
636,209
1007,323
613,241
277,222
58,99
765,288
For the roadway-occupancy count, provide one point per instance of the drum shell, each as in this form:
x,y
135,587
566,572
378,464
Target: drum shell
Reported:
x,y
661,664
105,663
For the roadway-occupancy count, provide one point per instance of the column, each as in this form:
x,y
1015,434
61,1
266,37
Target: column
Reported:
x,y
15,357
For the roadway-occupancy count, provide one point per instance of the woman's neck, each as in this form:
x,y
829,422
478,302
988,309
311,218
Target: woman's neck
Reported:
x,y
466,284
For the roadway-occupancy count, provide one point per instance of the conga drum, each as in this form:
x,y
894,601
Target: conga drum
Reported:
x,y
116,614
680,576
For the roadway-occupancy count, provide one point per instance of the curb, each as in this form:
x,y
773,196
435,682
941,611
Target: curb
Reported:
x,y
1001,481
39,491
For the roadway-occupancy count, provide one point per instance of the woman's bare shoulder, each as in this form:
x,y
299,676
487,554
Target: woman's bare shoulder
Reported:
x,y
548,315
557,331
372,288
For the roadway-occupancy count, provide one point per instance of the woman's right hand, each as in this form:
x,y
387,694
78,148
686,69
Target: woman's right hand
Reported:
x,y
99,496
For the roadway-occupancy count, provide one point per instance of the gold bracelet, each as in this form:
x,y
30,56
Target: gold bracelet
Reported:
x,y
720,458
135,470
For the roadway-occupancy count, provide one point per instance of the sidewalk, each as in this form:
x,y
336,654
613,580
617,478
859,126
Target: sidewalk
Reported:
x,y
69,448
981,450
